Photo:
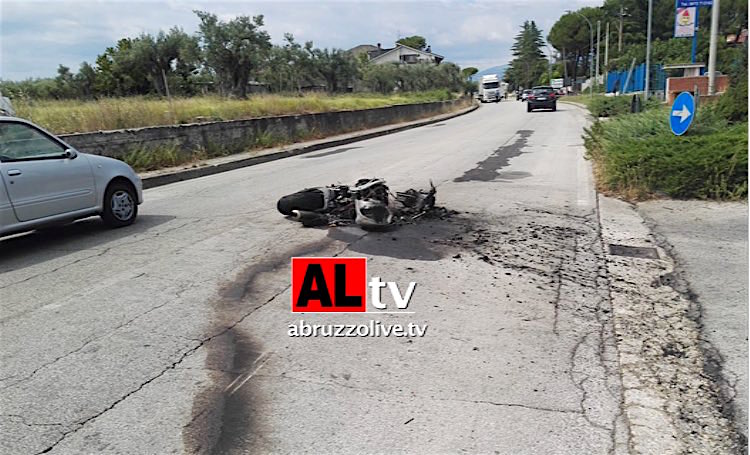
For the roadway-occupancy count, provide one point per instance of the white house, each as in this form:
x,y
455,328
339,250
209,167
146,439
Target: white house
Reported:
x,y
400,54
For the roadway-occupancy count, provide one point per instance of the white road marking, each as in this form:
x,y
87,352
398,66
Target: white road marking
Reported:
x,y
243,378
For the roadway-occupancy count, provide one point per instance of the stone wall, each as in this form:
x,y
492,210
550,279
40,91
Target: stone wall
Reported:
x,y
239,135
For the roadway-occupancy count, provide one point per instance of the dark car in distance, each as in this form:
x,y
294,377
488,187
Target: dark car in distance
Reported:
x,y
522,95
542,97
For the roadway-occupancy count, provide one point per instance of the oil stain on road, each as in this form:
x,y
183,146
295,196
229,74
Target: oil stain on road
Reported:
x,y
488,169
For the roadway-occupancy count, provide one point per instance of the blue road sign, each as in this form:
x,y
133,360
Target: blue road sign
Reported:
x,y
682,113
689,3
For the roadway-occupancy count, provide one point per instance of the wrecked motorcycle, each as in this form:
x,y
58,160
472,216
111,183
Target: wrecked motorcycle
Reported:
x,y
369,203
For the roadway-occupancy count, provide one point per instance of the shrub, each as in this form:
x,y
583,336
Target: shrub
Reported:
x,y
611,106
637,156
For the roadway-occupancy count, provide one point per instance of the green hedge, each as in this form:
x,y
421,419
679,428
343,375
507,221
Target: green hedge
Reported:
x,y
637,156
612,106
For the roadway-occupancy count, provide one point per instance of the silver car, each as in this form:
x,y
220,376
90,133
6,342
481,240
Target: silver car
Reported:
x,y
43,181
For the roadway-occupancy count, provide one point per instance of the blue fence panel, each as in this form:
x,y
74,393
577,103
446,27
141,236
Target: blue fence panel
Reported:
x,y
613,80
616,79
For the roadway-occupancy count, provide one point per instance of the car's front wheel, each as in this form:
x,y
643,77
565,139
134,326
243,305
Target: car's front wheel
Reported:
x,y
120,205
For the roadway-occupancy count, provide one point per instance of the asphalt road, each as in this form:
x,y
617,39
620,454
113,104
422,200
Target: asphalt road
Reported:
x,y
171,335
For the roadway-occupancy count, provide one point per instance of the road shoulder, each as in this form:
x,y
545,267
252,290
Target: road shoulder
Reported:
x,y
671,404
708,241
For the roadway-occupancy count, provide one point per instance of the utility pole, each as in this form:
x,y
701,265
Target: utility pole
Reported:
x,y
648,46
712,48
565,68
606,55
169,97
619,38
598,46
591,51
549,64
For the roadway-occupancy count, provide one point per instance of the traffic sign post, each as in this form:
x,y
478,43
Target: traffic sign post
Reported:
x,y
682,113
681,6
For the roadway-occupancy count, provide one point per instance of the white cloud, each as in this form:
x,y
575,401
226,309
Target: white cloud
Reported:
x,y
36,36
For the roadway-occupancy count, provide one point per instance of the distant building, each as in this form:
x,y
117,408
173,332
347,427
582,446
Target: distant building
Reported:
x,y
400,54
363,49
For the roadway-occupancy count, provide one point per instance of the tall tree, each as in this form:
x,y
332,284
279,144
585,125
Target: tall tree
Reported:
x,y
414,41
528,62
233,49
572,34
85,80
173,53
336,67
469,71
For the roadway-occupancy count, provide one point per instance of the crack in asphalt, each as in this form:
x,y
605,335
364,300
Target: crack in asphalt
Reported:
x,y
148,236
567,253
239,290
56,269
391,394
108,334
33,424
173,366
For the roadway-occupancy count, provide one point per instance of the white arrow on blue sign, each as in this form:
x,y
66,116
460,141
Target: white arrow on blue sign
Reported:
x,y
682,113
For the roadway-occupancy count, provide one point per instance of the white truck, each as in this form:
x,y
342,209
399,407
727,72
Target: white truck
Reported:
x,y
491,89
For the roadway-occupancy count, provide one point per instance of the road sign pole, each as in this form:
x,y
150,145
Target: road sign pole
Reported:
x,y
598,42
648,46
606,57
695,35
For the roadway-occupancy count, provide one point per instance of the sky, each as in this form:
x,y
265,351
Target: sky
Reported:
x,y
37,36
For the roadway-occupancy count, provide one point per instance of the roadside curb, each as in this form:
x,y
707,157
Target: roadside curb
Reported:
x,y
582,106
671,405
237,161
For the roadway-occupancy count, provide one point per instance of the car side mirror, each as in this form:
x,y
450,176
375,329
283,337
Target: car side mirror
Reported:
x,y
70,154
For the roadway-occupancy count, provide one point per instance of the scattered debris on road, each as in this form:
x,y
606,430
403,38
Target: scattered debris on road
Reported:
x,y
369,203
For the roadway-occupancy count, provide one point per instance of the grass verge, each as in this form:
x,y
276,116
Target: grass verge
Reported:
x,y
170,155
608,106
637,157
74,116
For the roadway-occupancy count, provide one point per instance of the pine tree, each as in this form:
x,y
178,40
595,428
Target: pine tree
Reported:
x,y
528,58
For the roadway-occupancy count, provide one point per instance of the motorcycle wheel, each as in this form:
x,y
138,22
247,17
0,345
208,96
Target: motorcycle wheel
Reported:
x,y
309,200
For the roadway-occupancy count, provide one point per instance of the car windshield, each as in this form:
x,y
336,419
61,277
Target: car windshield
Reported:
x,y
542,90
527,91
491,84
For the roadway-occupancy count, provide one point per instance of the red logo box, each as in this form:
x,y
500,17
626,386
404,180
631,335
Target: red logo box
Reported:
x,y
329,285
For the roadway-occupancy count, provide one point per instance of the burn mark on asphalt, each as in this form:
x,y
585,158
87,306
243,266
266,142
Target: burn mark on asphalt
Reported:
x,y
331,152
488,169
221,420
218,417
422,241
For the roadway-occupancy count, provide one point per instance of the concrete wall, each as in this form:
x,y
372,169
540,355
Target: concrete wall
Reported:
x,y
239,135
